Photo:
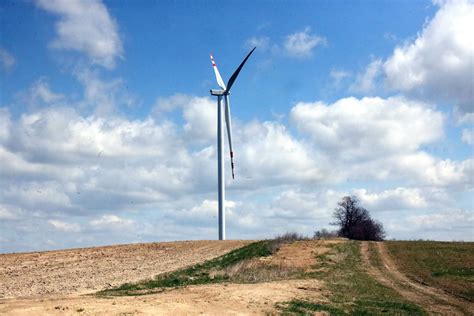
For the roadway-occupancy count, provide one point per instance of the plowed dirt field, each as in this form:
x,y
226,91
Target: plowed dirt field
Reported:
x,y
57,282
86,270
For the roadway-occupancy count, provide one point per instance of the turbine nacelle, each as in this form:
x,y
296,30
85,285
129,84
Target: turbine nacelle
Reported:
x,y
218,92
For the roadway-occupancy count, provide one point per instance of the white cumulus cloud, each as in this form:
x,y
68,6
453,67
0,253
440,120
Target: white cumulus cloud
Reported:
x,y
301,44
40,94
338,75
200,114
392,199
208,208
8,213
104,96
262,43
438,64
85,26
468,136
366,81
369,127
267,153
112,221
444,220
64,226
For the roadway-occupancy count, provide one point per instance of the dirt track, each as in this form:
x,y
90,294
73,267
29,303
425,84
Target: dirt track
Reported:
x,y
86,270
432,299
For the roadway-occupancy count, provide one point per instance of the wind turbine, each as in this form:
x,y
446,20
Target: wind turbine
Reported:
x,y
224,92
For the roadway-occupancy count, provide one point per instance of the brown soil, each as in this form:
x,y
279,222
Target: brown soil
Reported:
x,y
64,273
299,255
86,270
432,299
216,299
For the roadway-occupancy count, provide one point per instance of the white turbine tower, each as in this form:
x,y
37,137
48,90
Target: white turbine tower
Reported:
x,y
224,92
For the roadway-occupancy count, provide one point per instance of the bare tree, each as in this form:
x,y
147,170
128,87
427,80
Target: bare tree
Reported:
x,y
355,222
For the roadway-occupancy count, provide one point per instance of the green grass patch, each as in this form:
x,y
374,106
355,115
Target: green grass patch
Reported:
x,y
301,307
352,290
197,274
229,267
445,265
374,255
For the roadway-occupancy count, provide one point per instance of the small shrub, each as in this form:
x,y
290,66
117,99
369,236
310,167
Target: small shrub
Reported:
x,y
325,234
287,238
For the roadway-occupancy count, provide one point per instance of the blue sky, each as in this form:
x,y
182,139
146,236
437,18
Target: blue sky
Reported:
x,y
108,130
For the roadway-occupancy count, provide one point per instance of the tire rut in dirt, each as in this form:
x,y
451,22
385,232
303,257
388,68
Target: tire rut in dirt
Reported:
x,y
431,299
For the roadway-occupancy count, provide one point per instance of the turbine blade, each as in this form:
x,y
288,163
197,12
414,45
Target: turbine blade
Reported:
x,y
228,123
237,71
220,82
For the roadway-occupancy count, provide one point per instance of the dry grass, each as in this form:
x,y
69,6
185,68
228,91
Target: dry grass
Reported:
x,y
242,265
287,238
255,271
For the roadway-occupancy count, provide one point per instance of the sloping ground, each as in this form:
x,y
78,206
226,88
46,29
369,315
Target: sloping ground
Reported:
x,y
86,270
350,289
299,254
381,267
445,265
339,277
213,299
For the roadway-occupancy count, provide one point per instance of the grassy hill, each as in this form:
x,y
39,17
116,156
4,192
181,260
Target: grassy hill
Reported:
x,y
349,287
